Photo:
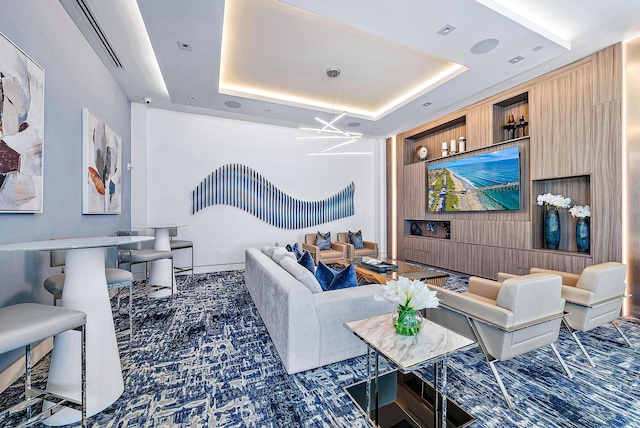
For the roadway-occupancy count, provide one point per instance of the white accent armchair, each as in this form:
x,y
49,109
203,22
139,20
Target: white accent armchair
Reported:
x,y
593,298
508,319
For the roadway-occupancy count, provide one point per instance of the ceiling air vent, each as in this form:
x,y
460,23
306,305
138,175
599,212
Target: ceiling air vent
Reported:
x,y
94,28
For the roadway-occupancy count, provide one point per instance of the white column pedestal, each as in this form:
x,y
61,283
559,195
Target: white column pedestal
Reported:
x,y
85,289
161,273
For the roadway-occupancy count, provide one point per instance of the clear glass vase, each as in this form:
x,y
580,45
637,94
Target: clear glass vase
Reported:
x,y
407,322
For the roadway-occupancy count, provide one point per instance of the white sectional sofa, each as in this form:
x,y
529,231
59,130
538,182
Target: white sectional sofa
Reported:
x,y
307,328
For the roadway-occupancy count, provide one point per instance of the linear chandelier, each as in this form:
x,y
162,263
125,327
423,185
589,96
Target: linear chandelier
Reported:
x,y
329,130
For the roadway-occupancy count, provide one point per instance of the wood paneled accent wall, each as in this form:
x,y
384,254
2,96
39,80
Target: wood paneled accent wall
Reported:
x,y
572,146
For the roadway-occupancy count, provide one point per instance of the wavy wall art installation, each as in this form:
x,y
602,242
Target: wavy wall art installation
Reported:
x,y
242,187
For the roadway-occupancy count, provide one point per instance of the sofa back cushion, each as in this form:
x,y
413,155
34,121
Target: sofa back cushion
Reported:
x,y
605,280
280,252
301,273
531,297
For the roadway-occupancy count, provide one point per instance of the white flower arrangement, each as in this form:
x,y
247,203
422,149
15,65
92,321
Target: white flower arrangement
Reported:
x,y
555,201
580,211
408,294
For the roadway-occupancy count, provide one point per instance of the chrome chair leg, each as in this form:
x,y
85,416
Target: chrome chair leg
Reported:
x,y
561,361
573,334
617,326
491,361
500,384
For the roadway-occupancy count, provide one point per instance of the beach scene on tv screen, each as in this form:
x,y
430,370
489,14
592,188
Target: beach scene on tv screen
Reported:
x,y
485,182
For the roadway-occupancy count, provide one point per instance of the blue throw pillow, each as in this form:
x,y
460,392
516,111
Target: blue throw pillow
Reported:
x,y
307,261
323,241
325,275
329,279
356,239
344,279
295,248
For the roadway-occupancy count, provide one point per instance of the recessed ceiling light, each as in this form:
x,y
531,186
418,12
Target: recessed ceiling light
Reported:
x,y
184,45
484,46
447,29
353,124
537,48
233,104
516,59
427,104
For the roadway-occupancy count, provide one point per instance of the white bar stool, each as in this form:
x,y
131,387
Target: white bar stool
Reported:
x,y
22,325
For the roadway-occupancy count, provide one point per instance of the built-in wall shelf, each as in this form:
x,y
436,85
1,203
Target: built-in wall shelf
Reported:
x,y
428,229
433,138
563,252
518,106
481,149
578,188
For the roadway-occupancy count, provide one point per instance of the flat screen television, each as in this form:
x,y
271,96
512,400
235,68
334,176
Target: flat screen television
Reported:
x,y
484,182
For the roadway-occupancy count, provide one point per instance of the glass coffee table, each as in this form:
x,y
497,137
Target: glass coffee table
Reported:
x,y
401,397
365,270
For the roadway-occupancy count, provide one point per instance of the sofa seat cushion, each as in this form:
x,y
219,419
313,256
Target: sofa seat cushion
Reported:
x,y
365,252
301,273
330,254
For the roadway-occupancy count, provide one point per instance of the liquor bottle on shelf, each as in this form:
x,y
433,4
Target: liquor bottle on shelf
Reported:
x,y
510,127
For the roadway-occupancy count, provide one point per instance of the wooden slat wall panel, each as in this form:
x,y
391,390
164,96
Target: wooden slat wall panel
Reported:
x,y
560,112
511,234
415,190
553,260
570,139
479,127
606,220
607,74
489,261
395,162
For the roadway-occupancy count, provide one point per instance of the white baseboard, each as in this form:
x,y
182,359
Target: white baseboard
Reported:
x,y
16,369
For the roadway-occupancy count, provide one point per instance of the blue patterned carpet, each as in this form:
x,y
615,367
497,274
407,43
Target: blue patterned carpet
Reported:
x,y
205,359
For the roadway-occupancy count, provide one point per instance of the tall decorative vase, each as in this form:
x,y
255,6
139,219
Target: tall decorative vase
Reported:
x,y
552,229
582,235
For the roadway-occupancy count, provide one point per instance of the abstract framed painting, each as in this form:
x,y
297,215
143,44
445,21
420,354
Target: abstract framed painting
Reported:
x,y
102,166
21,131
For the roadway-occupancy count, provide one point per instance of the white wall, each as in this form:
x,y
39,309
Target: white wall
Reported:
x,y
181,149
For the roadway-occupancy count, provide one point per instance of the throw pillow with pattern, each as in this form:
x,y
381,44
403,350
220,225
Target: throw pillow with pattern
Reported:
x,y
356,239
323,241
